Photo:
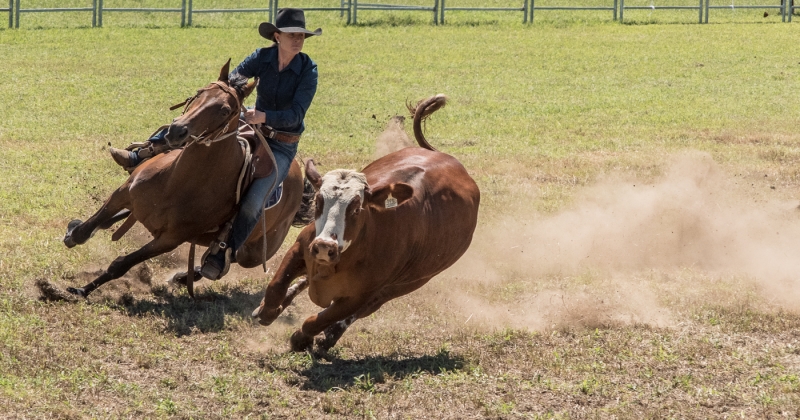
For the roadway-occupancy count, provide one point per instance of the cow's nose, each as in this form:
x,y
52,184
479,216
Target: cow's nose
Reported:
x,y
326,252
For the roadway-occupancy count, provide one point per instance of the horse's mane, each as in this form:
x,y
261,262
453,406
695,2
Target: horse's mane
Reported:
x,y
238,82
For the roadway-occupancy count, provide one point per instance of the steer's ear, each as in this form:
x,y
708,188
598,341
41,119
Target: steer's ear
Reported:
x,y
313,175
390,196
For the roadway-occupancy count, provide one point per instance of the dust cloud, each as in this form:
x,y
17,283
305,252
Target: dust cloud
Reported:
x,y
630,252
393,138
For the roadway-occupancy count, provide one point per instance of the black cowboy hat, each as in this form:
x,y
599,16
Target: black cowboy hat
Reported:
x,y
287,20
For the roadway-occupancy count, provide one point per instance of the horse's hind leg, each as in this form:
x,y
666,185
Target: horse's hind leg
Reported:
x,y
122,264
112,211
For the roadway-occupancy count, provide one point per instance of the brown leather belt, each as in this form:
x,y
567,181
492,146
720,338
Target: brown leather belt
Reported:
x,y
271,133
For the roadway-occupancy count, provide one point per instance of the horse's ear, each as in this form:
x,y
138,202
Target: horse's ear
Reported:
x,y
223,73
313,175
248,89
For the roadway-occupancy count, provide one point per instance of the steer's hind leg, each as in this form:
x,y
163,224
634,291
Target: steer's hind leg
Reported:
x,y
112,211
332,334
340,309
122,264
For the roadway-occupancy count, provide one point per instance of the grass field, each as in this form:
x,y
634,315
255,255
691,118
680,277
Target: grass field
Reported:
x,y
636,250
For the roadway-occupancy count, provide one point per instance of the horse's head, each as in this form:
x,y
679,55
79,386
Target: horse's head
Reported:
x,y
212,112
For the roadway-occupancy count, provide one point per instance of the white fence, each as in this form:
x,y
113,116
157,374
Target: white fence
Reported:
x,y
437,8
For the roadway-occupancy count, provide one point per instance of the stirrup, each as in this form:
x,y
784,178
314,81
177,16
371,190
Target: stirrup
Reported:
x,y
211,273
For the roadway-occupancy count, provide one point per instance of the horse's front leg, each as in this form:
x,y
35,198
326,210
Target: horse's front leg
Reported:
x,y
114,209
122,264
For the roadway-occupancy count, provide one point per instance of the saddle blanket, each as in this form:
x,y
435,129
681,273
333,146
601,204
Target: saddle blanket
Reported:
x,y
275,197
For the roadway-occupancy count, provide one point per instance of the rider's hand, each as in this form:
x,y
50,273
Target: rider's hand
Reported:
x,y
253,116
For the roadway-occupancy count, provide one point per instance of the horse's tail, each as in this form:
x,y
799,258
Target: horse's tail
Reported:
x,y
421,112
305,214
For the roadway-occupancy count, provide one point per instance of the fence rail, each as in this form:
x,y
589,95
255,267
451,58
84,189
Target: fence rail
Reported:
x,y
613,8
344,7
652,6
782,7
18,10
382,6
437,8
270,10
102,8
523,9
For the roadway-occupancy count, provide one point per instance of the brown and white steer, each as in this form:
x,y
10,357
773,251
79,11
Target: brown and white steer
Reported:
x,y
379,234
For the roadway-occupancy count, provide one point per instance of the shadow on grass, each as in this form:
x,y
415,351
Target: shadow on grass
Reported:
x,y
184,315
367,372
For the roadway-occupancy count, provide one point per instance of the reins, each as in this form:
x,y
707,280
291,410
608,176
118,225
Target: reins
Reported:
x,y
216,135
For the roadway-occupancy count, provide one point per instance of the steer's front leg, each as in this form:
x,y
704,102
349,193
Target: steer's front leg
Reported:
x,y
292,266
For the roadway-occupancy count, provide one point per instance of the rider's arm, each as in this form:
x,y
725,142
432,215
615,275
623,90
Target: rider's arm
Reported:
x,y
304,94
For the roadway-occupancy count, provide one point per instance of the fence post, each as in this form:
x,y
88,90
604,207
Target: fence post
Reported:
x,y
700,8
274,11
349,11
355,12
533,7
615,10
189,14
621,10
525,11
100,13
94,13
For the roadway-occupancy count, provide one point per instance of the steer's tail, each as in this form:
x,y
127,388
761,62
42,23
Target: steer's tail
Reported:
x,y
421,112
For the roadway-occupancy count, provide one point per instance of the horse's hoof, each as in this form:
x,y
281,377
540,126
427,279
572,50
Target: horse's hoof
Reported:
x,y
80,291
300,341
179,279
68,237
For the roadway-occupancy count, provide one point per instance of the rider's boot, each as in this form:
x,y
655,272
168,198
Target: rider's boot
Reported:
x,y
131,156
216,264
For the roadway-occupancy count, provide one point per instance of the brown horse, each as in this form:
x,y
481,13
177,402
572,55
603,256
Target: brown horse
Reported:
x,y
186,195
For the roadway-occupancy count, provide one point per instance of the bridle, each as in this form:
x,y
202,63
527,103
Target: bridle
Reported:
x,y
220,133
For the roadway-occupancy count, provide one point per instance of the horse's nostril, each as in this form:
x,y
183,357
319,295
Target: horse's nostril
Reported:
x,y
330,252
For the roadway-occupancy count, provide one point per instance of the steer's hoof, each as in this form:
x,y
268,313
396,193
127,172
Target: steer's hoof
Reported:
x,y
325,342
68,237
79,291
266,316
300,341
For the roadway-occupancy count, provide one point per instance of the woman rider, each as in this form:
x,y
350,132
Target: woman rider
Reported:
x,y
287,84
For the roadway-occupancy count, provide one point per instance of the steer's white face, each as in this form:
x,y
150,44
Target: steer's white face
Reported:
x,y
342,196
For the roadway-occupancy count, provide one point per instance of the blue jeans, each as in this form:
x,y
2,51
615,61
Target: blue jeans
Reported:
x,y
252,204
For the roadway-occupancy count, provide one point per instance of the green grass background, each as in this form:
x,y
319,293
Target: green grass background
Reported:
x,y
571,97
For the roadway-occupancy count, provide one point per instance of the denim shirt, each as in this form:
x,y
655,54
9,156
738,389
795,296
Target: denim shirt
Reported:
x,y
286,95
